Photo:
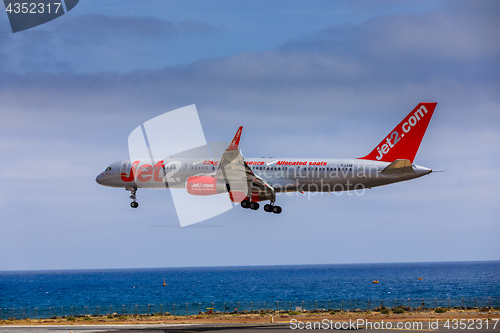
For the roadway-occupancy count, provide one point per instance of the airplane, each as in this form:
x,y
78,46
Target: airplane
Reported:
x,y
249,181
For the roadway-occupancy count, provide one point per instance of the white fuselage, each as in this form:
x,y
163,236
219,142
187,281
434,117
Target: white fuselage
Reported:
x,y
284,174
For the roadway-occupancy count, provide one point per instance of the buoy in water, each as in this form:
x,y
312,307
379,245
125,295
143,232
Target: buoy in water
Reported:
x,y
375,281
164,284
420,278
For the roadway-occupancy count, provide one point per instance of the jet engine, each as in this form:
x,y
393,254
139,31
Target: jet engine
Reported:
x,y
205,185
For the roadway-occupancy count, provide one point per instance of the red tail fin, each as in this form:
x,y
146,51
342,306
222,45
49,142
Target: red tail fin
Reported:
x,y
403,141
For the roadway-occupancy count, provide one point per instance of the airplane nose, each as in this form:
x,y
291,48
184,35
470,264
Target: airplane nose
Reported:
x,y
98,179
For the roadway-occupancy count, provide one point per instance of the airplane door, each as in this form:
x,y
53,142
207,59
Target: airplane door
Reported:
x,y
124,166
360,171
185,169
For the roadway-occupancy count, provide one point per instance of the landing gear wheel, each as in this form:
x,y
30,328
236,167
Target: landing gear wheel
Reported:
x,y
133,191
268,208
277,210
254,205
245,204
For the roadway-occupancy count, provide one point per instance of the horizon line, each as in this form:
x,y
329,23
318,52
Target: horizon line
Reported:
x,y
243,266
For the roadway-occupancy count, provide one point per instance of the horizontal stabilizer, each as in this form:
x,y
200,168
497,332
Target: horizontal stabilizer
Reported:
x,y
397,167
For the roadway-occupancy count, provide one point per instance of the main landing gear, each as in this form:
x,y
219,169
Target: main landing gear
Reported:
x,y
255,205
274,209
133,191
252,205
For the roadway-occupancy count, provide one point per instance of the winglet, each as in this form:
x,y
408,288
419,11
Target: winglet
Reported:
x,y
235,143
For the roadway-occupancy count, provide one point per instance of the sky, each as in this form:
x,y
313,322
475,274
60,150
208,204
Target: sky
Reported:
x,y
309,79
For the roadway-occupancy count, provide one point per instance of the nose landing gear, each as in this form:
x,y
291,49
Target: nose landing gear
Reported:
x,y
133,191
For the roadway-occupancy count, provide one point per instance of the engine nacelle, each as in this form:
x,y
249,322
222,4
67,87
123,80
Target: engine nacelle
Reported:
x,y
205,185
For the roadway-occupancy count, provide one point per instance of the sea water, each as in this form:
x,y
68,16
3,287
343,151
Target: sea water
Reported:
x,y
280,286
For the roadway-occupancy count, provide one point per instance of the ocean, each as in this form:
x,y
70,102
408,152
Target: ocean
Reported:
x,y
254,287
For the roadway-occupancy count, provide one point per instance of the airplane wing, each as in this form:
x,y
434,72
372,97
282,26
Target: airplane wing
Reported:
x,y
240,180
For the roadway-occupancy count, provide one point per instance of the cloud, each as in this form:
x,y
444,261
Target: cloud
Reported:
x,y
80,42
416,45
103,28
334,93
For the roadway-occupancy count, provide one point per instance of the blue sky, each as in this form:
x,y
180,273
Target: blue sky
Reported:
x,y
304,78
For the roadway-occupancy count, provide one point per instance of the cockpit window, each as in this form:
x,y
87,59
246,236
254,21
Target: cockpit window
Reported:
x,y
108,169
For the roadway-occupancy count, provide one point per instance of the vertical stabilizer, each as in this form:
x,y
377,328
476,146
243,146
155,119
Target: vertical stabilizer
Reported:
x,y
404,140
